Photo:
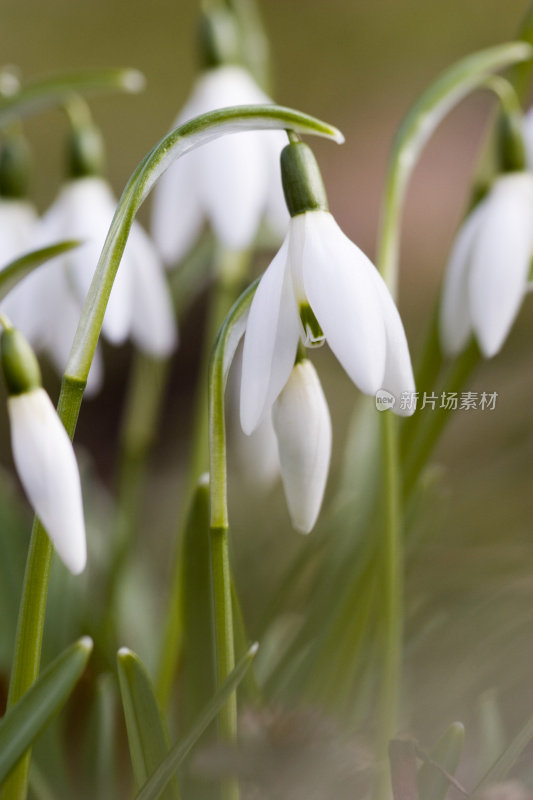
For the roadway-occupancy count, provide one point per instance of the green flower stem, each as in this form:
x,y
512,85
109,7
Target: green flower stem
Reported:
x,y
41,94
391,580
449,89
423,118
184,138
223,353
230,270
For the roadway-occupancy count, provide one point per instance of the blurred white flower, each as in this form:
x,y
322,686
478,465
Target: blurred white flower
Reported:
x,y
46,464
320,278
487,274
18,218
303,428
47,303
233,182
83,210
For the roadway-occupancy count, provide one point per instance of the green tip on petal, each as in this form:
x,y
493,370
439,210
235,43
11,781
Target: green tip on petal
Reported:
x,y
19,364
314,335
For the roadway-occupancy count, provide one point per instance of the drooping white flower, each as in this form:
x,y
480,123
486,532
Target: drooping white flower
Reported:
x,y
83,210
487,274
233,182
43,453
319,269
303,428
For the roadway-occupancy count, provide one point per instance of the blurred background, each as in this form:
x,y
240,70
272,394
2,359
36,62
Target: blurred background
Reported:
x,y
359,65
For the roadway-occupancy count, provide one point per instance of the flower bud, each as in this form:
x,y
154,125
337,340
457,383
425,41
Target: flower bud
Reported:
x,y
303,428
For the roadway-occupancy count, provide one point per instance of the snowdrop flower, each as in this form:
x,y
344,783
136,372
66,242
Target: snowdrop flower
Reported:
x,y
233,182
487,274
43,453
303,428
139,305
321,287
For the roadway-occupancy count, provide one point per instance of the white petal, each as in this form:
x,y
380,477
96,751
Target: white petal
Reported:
x,y
398,378
153,327
455,325
177,215
340,284
233,183
501,260
84,209
257,453
17,223
47,468
303,427
270,342
227,180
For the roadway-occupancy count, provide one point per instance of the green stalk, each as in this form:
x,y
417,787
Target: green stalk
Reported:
x,y
230,269
391,578
423,118
178,142
223,353
44,93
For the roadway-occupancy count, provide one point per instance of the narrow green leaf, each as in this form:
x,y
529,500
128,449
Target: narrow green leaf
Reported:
x,y
492,738
99,755
157,782
16,270
419,124
197,675
24,721
506,761
54,90
432,782
147,734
